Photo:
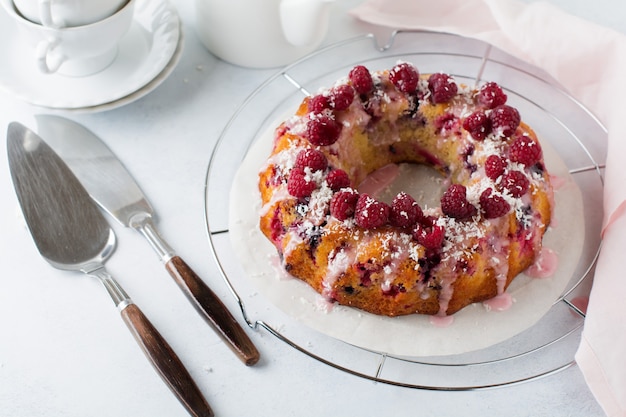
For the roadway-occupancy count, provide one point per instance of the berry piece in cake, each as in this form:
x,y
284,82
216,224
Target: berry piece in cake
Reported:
x,y
516,182
300,184
442,88
405,211
504,120
341,97
361,79
318,103
454,203
343,204
337,179
404,77
494,166
371,213
525,151
429,237
478,124
311,158
491,95
446,123
493,205
322,130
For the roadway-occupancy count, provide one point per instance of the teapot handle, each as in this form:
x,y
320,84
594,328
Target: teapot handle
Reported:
x,y
304,22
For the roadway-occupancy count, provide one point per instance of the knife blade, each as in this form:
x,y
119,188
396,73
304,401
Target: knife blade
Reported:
x,y
111,185
72,234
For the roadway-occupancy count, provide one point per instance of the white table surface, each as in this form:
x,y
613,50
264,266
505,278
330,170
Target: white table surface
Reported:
x,y
64,350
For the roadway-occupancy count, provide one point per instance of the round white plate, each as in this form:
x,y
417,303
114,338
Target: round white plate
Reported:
x,y
143,54
475,327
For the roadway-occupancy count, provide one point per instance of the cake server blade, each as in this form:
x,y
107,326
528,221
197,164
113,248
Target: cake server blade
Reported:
x,y
72,234
110,184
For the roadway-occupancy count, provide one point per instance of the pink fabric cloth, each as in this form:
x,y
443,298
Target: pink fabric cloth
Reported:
x,y
590,62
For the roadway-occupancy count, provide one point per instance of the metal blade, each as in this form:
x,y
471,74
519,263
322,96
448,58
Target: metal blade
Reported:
x,y
67,227
108,182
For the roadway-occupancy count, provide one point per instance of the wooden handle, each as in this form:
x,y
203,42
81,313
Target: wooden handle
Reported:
x,y
213,310
166,362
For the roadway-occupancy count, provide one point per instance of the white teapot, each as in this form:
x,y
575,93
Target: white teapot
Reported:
x,y
261,33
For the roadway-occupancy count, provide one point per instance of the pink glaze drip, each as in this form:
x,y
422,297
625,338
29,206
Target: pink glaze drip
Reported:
x,y
557,182
390,271
501,302
279,194
545,265
324,305
378,180
338,262
441,321
498,261
446,293
554,221
277,265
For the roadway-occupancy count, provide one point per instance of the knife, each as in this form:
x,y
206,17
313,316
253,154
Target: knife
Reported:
x,y
110,184
72,234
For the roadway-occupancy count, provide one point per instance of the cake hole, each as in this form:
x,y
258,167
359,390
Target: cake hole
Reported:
x,y
422,182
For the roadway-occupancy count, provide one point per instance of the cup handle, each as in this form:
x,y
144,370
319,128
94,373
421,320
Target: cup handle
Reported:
x,y
48,60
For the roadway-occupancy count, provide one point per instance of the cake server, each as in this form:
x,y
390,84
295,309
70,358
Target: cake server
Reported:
x,y
110,184
72,234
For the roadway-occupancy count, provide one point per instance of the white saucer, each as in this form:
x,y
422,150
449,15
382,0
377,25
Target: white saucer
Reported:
x,y
146,56
135,95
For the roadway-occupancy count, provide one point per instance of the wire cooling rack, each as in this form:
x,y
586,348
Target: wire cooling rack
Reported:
x,y
580,139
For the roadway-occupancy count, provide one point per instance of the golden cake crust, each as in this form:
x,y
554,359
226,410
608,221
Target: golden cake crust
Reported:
x,y
386,269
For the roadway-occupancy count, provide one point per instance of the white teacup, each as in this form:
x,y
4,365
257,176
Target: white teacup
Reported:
x,y
261,33
67,13
74,51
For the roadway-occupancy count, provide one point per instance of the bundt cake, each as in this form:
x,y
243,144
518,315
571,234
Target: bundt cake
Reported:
x,y
396,257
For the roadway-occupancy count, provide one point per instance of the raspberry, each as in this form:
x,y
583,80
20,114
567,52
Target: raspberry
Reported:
x,y
504,119
371,213
494,166
361,79
300,184
478,125
525,151
337,179
343,204
442,88
516,182
405,211
454,203
405,77
322,130
430,238
318,103
491,95
427,221
341,97
493,205
311,158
